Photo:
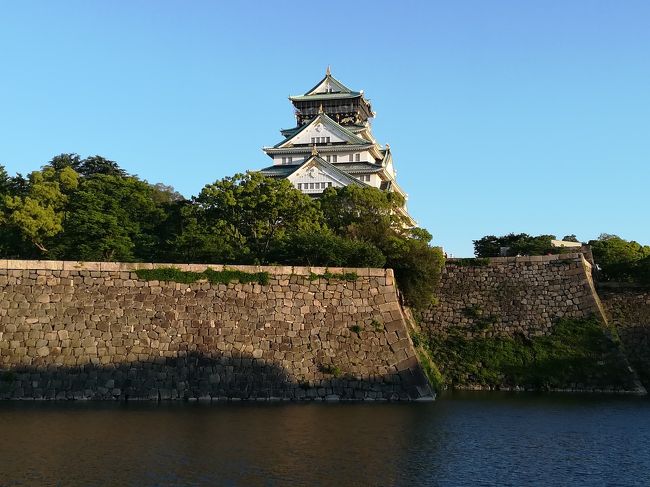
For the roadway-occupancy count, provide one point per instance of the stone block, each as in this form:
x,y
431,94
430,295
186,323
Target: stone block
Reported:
x,y
81,266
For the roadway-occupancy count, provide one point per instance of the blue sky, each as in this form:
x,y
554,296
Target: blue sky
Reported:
x,y
502,115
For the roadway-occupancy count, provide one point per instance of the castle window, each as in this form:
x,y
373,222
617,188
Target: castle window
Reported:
x,y
357,157
327,139
334,157
351,157
284,160
289,160
329,185
299,185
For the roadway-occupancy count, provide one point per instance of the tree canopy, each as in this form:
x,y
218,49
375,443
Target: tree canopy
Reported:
x,y
514,244
91,209
621,260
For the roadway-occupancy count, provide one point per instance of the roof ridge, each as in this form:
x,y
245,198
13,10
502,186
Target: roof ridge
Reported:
x,y
328,76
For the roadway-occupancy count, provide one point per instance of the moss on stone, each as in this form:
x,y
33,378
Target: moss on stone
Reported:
x,y
576,355
215,277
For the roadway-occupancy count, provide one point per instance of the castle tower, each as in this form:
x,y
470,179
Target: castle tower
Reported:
x,y
332,144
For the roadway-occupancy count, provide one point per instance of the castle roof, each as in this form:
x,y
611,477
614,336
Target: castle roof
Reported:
x,y
332,126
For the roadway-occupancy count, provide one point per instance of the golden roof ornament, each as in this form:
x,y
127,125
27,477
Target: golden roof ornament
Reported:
x,y
320,109
314,150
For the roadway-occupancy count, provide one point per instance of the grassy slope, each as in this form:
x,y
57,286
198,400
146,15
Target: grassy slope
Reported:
x,y
578,354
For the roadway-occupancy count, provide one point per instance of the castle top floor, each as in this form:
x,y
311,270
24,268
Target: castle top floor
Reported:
x,y
342,104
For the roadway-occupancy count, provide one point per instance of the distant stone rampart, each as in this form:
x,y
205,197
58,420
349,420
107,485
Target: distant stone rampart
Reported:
x,y
513,295
73,330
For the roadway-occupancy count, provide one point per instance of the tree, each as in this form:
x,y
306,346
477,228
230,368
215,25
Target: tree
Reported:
x,y
164,194
99,165
618,258
255,213
87,167
513,244
39,214
363,213
324,248
73,161
5,181
375,217
570,238
111,217
196,240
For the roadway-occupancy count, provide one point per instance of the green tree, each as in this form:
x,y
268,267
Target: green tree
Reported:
x,y
192,238
88,166
376,217
324,248
255,213
363,213
111,217
39,213
617,258
513,244
5,181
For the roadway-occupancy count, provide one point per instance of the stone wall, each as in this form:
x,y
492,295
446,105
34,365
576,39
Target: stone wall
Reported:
x,y
512,295
628,308
71,330
495,326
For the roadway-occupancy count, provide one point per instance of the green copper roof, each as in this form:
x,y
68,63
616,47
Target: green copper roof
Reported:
x,y
325,96
358,167
326,120
284,171
355,129
279,171
334,85
326,89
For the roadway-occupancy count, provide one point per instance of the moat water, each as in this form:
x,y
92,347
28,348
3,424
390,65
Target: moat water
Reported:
x,y
489,439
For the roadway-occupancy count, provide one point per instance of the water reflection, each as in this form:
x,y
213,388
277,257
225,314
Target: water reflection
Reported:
x,y
475,439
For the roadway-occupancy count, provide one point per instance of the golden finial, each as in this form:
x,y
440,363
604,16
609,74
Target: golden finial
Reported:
x,y
387,146
314,150
328,72
320,109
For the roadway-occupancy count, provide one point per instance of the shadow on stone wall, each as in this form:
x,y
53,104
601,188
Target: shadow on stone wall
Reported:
x,y
197,376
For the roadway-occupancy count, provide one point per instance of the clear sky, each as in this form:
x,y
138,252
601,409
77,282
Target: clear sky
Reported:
x,y
502,116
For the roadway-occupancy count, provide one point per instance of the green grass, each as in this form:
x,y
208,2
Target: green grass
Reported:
x,y
330,369
346,276
377,326
471,262
356,329
215,277
576,352
430,370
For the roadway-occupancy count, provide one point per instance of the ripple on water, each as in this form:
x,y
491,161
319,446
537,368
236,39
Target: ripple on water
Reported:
x,y
461,439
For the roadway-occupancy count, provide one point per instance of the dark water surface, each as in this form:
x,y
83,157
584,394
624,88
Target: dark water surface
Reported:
x,y
462,439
